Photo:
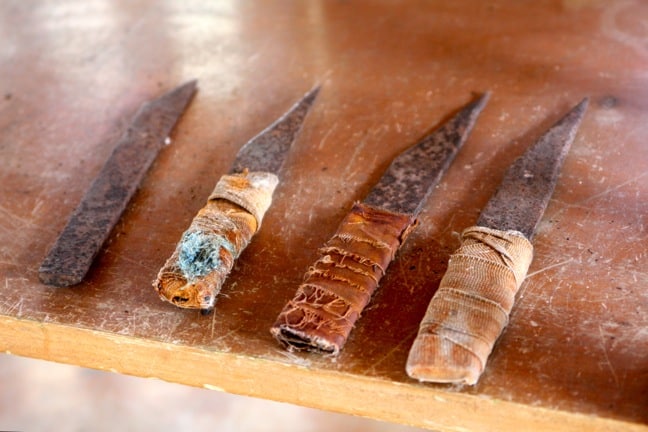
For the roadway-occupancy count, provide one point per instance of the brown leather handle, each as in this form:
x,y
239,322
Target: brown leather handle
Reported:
x,y
341,282
471,307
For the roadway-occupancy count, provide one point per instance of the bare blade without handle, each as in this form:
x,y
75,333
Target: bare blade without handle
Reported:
x,y
528,184
267,151
91,223
194,274
472,305
411,176
340,284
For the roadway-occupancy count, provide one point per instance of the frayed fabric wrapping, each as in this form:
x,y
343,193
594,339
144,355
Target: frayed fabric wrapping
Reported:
x,y
340,284
471,307
251,190
193,276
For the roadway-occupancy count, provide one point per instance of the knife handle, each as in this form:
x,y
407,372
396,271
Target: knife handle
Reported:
x,y
194,274
341,282
471,307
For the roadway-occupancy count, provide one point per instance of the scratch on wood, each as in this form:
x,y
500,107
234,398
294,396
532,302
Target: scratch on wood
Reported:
x,y
567,261
607,358
220,339
358,149
325,137
213,324
9,215
300,361
553,293
408,338
613,188
8,307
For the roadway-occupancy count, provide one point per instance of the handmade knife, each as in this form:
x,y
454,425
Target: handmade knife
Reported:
x,y
193,276
474,299
89,226
340,284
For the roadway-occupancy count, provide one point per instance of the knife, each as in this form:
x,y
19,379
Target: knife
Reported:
x,y
194,274
69,260
472,304
340,284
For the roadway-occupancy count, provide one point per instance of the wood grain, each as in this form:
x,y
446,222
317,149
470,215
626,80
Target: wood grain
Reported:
x,y
574,353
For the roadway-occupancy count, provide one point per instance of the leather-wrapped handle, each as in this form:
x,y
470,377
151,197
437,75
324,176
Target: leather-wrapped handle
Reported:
x,y
193,276
340,284
471,307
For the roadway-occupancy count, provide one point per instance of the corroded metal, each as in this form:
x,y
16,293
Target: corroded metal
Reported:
x,y
528,184
193,276
89,226
411,176
340,284
267,151
472,305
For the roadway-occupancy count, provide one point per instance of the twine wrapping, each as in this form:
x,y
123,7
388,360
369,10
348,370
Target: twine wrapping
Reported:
x,y
471,307
250,190
222,229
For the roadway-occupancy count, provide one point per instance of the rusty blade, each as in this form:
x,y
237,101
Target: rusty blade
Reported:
x,y
411,176
267,151
528,184
89,226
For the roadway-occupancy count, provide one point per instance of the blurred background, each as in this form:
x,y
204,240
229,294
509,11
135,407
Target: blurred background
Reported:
x,y
39,395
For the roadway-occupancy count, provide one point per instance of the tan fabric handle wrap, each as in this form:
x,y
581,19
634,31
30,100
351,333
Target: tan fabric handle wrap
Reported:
x,y
251,190
340,284
471,307
193,276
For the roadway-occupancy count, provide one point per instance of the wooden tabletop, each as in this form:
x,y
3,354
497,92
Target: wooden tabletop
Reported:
x,y
73,73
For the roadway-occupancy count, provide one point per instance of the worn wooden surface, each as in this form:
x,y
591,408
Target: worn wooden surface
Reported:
x,y
72,74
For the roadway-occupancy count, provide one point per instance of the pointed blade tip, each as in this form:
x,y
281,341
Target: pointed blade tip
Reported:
x,y
269,156
581,107
484,98
524,215
411,176
311,94
181,94
190,86
584,101
572,119
475,107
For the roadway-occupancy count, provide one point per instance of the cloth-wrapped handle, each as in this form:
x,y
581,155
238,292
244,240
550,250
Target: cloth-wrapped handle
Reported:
x,y
471,307
340,284
193,276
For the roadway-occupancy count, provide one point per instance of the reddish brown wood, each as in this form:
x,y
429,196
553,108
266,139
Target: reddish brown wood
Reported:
x,y
72,74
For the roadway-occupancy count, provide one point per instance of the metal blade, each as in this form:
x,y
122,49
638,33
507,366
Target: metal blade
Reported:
x,y
89,226
411,176
267,151
528,184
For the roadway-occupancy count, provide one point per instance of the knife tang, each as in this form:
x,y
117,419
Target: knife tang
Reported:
x,y
267,151
70,258
203,258
412,175
340,284
474,300
522,197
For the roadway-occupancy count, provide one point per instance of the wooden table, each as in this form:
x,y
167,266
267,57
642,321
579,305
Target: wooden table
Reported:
x,y
575,354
